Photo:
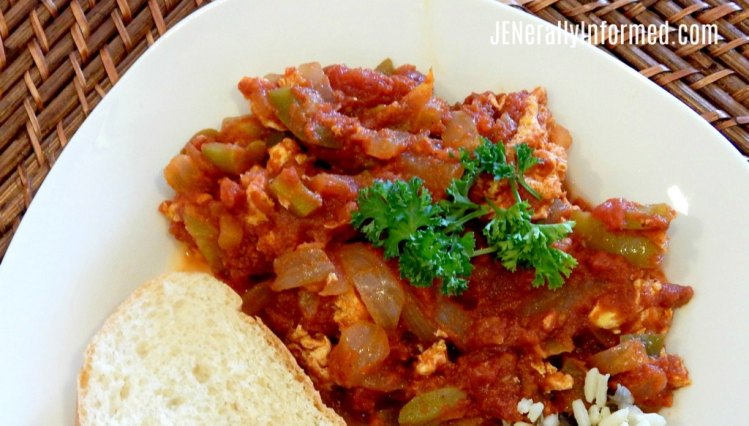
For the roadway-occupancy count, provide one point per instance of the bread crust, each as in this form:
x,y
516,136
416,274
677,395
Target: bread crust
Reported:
x,y
284,356
292,366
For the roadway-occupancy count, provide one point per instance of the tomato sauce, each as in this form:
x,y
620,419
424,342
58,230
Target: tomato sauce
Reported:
x,y
327,133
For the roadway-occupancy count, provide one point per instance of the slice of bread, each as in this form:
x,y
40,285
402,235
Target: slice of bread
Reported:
x,y
179,351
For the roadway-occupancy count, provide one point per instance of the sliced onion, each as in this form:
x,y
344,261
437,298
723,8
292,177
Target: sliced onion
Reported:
x,y
417,322
453,320
313,73
461,132
379,289
305,266
256,298
386,143
362,347
335,284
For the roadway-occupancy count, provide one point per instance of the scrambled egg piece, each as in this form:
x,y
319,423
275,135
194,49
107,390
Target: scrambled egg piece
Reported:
x,y
259,203
281,153
647,314
554,380
349,309
651,316
432,358
313,351
548,141
608,319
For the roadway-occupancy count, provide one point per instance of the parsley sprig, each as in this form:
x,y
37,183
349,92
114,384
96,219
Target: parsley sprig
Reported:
x,y
430,241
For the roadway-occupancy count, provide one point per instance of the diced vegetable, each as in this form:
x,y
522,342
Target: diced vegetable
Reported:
x,y
417,322
649,216
205,235
230,233
336,284
257,151
386,143
184,175
386,66
334,184
245,128
418,102
638,250
379,289
433,406
452,319
653,342
625,356
314,74
304,266
619,214
362,347
256,298
229,158
209,133
461,132
645,382
383,381
293,195
281,99
436,173
299,119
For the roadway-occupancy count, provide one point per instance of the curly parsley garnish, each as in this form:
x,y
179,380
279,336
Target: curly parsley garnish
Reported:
x,y
430,241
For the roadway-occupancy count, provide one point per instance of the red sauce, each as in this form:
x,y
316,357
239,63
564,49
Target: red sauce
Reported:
x,y
500,341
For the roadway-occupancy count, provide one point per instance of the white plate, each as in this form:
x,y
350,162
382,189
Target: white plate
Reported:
x,y
93,233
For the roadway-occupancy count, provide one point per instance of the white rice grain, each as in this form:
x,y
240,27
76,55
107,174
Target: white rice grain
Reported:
x,y
605,412
594,412
522,424
591,384
535,411
581,414
524,405
552,420
617,418
623,397
634,411
650,419
601,388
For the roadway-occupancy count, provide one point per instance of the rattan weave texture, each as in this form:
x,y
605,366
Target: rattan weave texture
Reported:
x,y
58,59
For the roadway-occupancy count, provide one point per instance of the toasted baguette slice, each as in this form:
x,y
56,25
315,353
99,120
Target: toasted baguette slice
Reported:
x,y
179,351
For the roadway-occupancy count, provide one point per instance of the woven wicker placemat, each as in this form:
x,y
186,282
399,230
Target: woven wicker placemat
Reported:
x,y
58,58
